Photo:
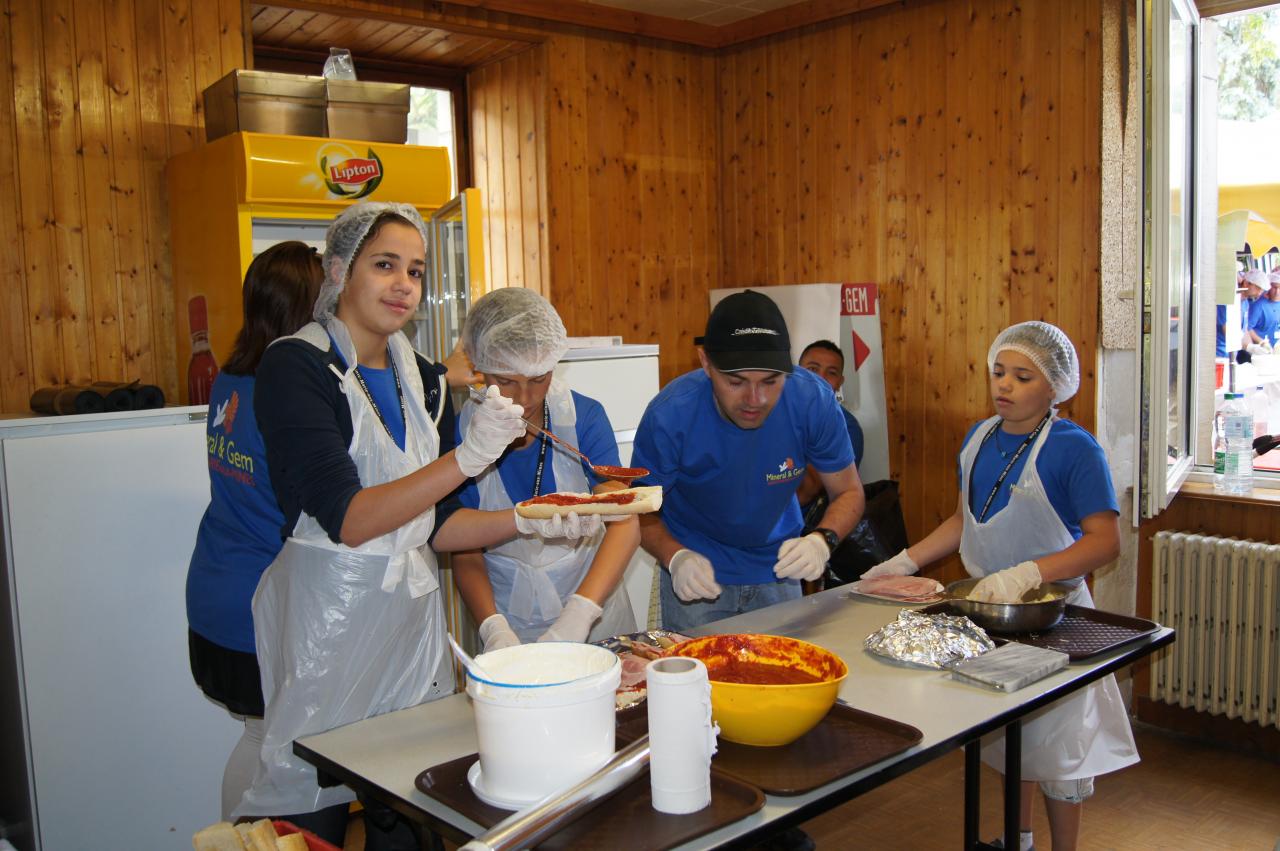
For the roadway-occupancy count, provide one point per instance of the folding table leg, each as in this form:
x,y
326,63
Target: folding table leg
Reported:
x,y
1012,783
972,792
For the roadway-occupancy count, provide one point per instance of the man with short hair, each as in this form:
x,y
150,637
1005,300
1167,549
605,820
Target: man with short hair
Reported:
x,y
729,444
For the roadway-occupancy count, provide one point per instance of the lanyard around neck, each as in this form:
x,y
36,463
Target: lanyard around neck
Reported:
x,y
404,416
542,452
1027,441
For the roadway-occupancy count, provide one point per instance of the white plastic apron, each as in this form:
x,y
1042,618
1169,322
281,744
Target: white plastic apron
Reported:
x,y
347,633
1086,733
531,577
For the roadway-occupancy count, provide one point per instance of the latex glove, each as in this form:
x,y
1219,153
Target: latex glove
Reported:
x,y
693,577
496,633
802,558
574,622
495,425
1007,586
571,526
900,565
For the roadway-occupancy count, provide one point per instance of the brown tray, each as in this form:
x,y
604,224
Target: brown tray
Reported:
x,y
628,812
1082,634
845,741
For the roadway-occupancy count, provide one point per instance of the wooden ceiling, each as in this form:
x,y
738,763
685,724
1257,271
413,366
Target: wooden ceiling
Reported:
x,y
304,33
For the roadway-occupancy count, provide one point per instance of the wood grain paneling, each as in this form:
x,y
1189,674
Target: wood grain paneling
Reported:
x,y
958,146
99,94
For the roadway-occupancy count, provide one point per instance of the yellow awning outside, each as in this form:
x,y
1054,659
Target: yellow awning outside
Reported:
x,y
1262,200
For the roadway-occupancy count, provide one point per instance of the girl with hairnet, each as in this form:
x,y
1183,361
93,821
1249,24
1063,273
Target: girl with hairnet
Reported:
x,y
526,588
348,617
1037,505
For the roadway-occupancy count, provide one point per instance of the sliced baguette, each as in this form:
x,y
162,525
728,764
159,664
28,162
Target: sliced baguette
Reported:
x,y
644,500
262,836
291,842
217,837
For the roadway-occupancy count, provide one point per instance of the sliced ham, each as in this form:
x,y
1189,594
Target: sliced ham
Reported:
x,y
632,670
908,588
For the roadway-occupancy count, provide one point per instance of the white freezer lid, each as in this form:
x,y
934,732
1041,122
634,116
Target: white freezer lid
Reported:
x,y
626,350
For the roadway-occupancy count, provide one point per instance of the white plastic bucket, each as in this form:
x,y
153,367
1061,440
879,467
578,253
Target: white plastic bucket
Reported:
x,y
546,720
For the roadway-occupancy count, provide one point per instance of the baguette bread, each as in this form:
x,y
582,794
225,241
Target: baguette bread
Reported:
x,y
262,836
291,842
626,501
217,837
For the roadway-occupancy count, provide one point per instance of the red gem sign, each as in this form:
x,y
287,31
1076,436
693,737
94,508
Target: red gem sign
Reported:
x,y
858,300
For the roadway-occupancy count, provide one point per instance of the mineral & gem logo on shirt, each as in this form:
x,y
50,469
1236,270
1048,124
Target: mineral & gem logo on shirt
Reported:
x,y
787,472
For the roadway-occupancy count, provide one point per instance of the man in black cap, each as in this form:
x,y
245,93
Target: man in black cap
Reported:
x,y
729,444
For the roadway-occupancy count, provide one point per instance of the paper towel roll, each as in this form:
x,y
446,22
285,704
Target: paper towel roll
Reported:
x,y
681,735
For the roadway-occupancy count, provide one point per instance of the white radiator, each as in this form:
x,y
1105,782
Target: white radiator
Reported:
x,y
1223,598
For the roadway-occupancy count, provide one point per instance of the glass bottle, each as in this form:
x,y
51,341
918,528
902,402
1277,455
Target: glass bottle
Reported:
x,y
203,367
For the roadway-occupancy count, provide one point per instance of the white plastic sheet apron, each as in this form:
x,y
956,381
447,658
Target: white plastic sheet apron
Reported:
x,y
531,577
348,633
1086,733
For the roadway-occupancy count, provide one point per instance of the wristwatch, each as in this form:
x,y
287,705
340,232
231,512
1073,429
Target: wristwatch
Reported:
x,y
832,539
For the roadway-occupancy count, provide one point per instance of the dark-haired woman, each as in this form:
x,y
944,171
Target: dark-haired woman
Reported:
x,y
239,534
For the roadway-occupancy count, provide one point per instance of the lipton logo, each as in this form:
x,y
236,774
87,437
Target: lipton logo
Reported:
x,y
353,177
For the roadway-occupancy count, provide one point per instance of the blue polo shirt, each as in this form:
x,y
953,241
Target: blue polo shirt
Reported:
x,y
1264,319
729,492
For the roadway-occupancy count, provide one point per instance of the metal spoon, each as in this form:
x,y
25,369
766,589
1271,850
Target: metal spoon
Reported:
x,y
604,471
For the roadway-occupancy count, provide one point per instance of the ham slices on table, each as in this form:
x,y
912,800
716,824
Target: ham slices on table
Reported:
x,y
635,652
907,589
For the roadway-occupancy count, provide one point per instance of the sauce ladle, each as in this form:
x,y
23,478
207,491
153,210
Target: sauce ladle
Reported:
x,y
604,471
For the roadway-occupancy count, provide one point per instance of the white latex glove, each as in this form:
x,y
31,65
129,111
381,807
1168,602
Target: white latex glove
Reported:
x,y
900,565
1007,586
495,425
693,577
496,633
574,622
571,526
802,558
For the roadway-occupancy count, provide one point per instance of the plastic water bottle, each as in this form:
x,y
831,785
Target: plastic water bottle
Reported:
x,y
1233,447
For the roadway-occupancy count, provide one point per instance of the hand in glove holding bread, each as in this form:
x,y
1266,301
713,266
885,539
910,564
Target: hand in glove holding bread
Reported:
x,y
571,526
1007,586
693,577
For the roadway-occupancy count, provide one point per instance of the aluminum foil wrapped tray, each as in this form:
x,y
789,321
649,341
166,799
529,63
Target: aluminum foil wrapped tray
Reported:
x,y
636,650
930,641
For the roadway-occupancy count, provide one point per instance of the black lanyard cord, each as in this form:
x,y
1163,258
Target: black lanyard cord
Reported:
x,y
542,453
404,416
1027,441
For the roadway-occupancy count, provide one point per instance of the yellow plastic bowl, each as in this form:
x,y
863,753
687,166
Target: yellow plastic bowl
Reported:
x,y
767,715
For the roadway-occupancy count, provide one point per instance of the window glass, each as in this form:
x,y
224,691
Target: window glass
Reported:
x,y
431,123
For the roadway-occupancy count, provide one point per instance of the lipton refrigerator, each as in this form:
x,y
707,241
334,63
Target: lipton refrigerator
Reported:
x,y
234,197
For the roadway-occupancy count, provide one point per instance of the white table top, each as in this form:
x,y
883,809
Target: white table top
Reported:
x,y
390,751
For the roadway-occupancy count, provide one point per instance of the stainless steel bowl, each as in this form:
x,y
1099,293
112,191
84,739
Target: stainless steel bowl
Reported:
x,y
1011,617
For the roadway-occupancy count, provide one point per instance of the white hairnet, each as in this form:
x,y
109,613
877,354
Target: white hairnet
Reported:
x,y
1048,348
514,331
1274,277
1257,277
342,243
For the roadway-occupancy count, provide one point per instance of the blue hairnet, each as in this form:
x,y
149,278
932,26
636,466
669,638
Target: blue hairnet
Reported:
x,y
342,243
1048,348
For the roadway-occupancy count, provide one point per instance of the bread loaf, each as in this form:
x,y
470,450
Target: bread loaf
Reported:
x,y
217,837
625,501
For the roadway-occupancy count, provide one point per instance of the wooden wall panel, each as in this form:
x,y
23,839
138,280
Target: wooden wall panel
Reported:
x,y
99,94
948,151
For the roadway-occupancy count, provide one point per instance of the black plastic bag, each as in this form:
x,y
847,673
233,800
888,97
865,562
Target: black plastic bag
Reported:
x,y
879,535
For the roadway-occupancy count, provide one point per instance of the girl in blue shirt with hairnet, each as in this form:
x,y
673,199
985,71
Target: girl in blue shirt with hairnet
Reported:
x,y
1036,505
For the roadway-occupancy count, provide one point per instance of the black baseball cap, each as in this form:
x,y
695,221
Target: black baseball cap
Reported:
x,y
746,331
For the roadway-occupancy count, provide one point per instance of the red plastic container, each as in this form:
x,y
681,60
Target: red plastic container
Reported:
x,y
314,843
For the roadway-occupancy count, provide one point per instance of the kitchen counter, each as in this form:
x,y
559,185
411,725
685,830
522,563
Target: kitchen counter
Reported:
x,y
382,756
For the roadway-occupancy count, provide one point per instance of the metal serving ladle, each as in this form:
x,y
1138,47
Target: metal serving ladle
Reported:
x,y
604,471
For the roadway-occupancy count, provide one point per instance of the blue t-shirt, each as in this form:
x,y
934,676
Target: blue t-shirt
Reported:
x,y
239,535
855,435
1071,464
1264,319
518,467
1220,331
382,386
729,492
